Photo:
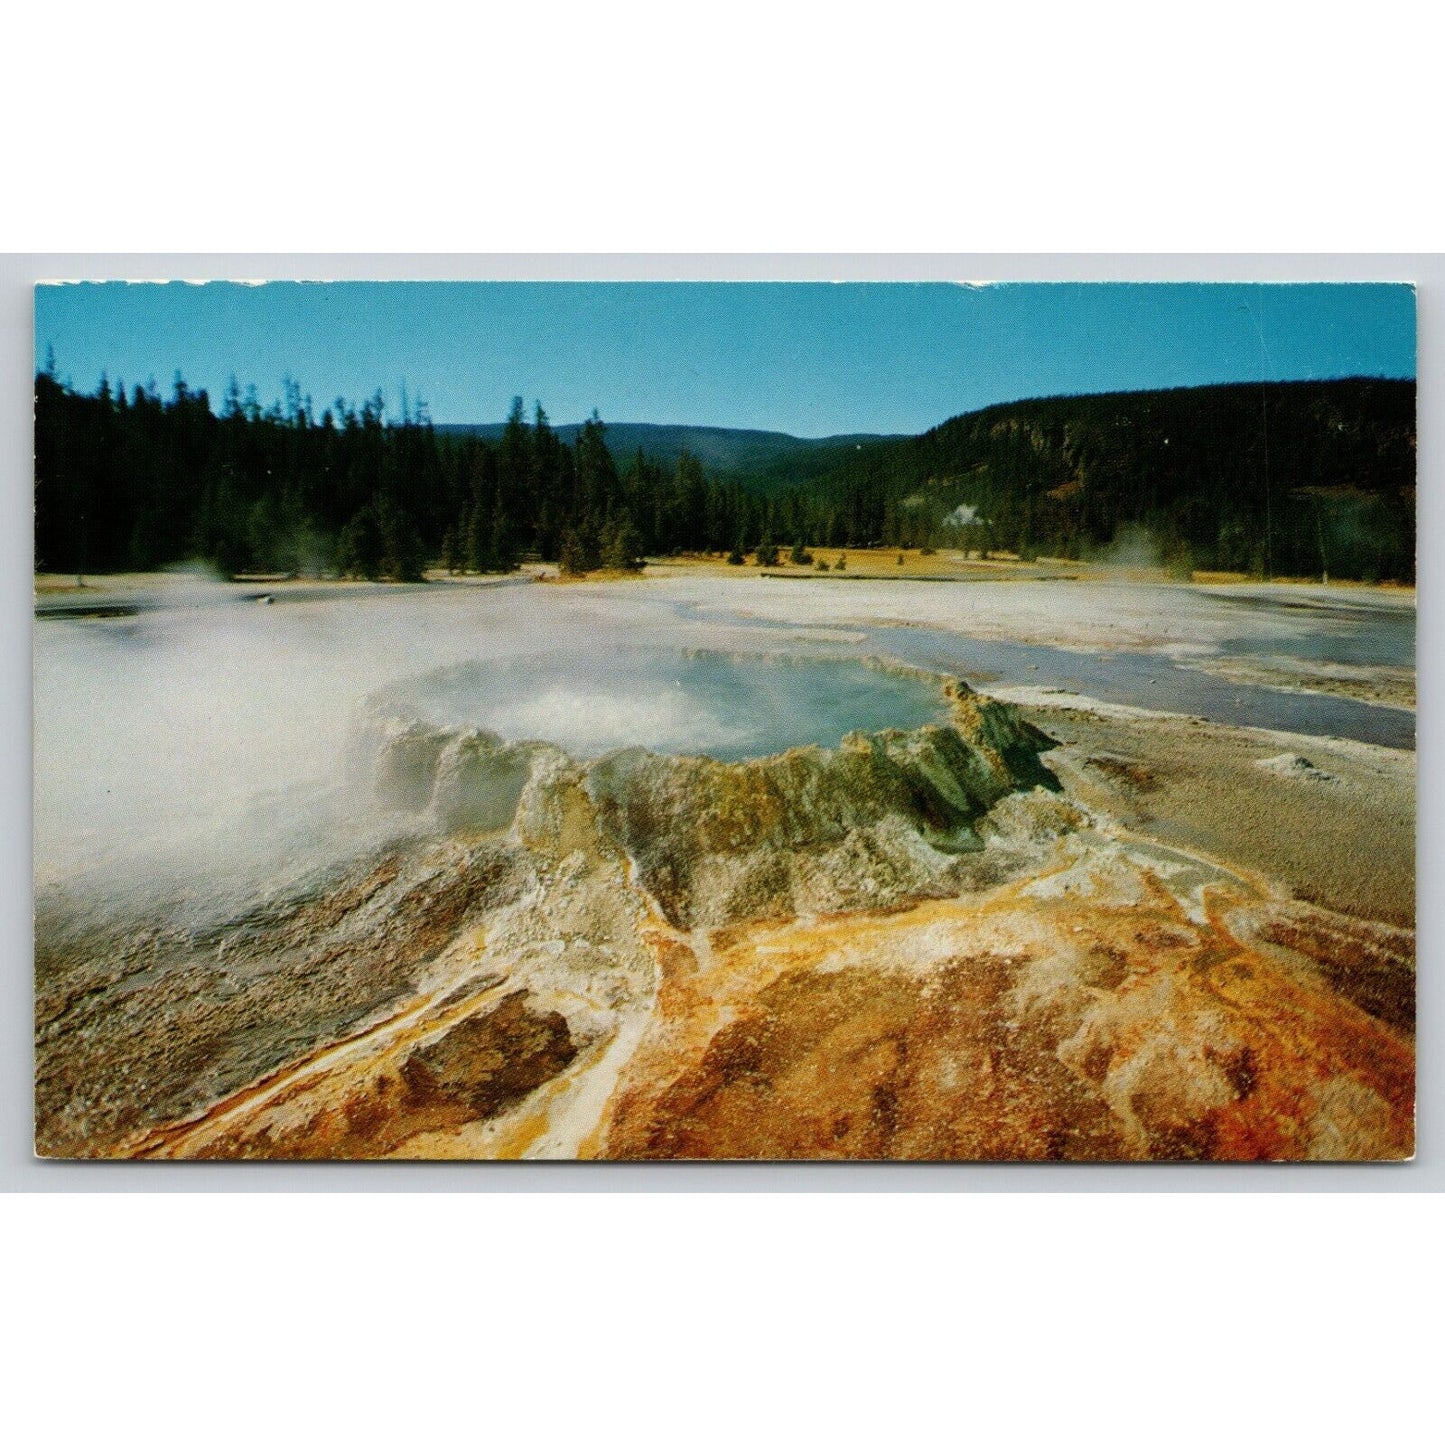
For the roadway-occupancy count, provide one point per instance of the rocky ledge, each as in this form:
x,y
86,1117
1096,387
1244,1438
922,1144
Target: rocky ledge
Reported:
x,y
914,945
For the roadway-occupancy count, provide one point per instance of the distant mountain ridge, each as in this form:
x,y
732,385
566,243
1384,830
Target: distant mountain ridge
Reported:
x,y
769,458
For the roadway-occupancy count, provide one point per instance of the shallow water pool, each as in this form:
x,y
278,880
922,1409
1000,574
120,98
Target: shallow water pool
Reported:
x,y
723,705
1150,681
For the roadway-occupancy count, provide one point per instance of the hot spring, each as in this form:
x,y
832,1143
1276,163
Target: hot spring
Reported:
x,y
724,705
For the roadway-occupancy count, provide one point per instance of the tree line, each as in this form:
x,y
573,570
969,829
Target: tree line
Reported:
x,y
1293,478
134,480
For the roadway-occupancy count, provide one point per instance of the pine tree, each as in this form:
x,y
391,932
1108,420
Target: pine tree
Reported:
x,y
596,472
690,494
514,459
360,549
403,554
480,557
573,554
621,544
503,543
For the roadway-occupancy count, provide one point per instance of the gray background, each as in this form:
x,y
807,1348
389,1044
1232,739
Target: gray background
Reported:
x,y
19,1170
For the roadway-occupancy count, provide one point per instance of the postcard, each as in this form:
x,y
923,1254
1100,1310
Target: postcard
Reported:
x,y
768,721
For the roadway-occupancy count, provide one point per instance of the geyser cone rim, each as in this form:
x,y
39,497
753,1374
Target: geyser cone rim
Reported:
x,y
396,704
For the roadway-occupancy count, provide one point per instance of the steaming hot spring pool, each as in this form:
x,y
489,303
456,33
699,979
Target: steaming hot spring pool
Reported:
x,y
723,705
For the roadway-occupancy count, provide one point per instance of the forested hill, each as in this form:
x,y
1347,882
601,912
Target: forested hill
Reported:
x,y
1284,478
768,460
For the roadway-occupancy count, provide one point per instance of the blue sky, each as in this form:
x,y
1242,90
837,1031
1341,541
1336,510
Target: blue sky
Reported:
x,y
814,359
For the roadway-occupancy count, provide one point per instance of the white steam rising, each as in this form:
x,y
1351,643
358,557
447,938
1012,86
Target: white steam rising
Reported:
x,y
214,736
588,721
210,739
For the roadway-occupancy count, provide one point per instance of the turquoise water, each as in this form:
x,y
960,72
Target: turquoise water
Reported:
x,y
719,704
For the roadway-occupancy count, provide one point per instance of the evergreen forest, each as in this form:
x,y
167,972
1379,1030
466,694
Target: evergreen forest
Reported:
x,y
1274,479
